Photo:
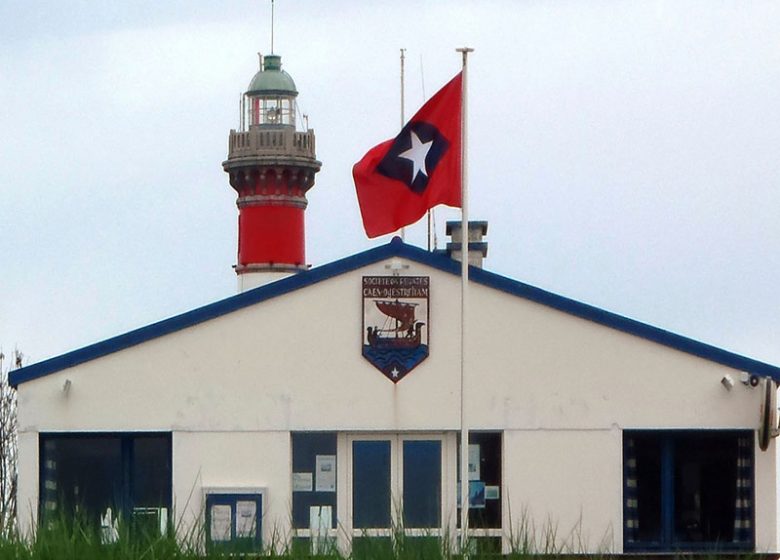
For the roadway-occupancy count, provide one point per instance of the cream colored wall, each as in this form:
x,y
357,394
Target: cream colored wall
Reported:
x,y
250,280
566,483
533,367
27,484
287,363
294,363
766,506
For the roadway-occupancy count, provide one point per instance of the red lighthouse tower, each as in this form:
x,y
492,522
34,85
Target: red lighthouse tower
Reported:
x,y
271,166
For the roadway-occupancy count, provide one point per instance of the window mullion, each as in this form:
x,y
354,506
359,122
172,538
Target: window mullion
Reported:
x,y
127,479
667,491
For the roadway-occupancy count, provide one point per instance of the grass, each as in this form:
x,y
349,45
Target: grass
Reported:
x,y
80,540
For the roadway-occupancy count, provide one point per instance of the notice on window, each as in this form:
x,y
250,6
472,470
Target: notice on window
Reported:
x,y
302,482
474,456
476,494
320,520
221,522
246,518
492,493
325,473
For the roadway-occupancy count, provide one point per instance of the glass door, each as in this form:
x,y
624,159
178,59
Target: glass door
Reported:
x,y
371,484
421,483
396,485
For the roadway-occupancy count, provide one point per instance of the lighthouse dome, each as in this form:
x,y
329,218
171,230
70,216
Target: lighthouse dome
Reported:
x,y
271,79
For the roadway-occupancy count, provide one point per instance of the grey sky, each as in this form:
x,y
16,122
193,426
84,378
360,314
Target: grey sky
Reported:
x,y
625,154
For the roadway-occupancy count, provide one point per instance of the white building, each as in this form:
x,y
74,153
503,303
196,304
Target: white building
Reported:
x,y
290,410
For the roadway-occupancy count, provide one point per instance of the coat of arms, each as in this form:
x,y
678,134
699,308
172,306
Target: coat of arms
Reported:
x,y
395,323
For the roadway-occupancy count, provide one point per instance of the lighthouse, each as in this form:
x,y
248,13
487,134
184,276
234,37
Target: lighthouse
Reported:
x,y
271,164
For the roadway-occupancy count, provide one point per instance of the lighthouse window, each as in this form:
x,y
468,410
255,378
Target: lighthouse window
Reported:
x,y
273,111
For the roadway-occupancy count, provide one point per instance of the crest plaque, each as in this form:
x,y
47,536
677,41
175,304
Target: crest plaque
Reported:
x,y
395,323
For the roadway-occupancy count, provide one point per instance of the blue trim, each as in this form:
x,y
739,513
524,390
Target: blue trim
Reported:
x,y
396,248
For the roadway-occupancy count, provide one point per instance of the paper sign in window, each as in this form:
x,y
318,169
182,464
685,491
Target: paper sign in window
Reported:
x,y
325,473
474,457
221,522
302,482
320,520
246,518
476,494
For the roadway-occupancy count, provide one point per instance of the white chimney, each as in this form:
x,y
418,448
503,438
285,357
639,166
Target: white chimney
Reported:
x,y
477,248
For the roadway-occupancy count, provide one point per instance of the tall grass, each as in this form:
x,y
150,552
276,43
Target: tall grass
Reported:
x,y
78,539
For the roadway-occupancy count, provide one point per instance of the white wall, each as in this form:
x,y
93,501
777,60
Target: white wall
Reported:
x,y
294,363
567,483
27,484
766,512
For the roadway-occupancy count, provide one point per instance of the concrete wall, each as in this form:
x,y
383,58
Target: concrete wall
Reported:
x,y
561,388
567,483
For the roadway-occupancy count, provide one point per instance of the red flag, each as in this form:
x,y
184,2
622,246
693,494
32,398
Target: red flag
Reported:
x,y
400,179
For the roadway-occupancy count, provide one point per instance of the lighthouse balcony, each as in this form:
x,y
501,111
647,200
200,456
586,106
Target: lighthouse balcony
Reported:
x,y
280,141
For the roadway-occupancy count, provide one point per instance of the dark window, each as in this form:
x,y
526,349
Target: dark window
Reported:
x,y
306,447
688,490
422,484
88,474
371,484
484,480
151,471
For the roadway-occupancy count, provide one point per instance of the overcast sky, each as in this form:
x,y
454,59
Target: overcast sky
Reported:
x,y
625,154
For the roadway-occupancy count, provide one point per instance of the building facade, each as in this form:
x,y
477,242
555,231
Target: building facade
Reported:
x,y
620,436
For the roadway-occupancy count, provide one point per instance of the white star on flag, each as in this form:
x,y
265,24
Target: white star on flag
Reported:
x,y
395,373
417,154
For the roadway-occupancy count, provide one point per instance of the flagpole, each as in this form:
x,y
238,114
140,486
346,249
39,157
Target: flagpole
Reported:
x,y
403,118
464,280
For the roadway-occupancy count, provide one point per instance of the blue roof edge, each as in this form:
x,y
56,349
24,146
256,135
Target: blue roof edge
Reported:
x,y
396,248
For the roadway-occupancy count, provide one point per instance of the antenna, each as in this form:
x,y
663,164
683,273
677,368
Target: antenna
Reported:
x,y
422,77
272,26
403,120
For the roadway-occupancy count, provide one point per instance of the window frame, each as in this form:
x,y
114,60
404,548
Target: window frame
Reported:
x,y
298,441
396,440
235,545
668,541
478,527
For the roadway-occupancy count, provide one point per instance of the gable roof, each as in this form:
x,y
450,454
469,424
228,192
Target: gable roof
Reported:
x,y
396,248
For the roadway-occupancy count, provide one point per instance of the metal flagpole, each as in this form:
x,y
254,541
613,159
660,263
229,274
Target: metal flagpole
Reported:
x,y
464,282
403,118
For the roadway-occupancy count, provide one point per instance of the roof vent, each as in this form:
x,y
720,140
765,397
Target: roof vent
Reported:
x,y
476,247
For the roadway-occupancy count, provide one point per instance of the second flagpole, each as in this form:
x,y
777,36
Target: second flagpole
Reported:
x,y
464,282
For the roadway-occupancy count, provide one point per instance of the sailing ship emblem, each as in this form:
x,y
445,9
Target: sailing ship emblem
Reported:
x,y
395,323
